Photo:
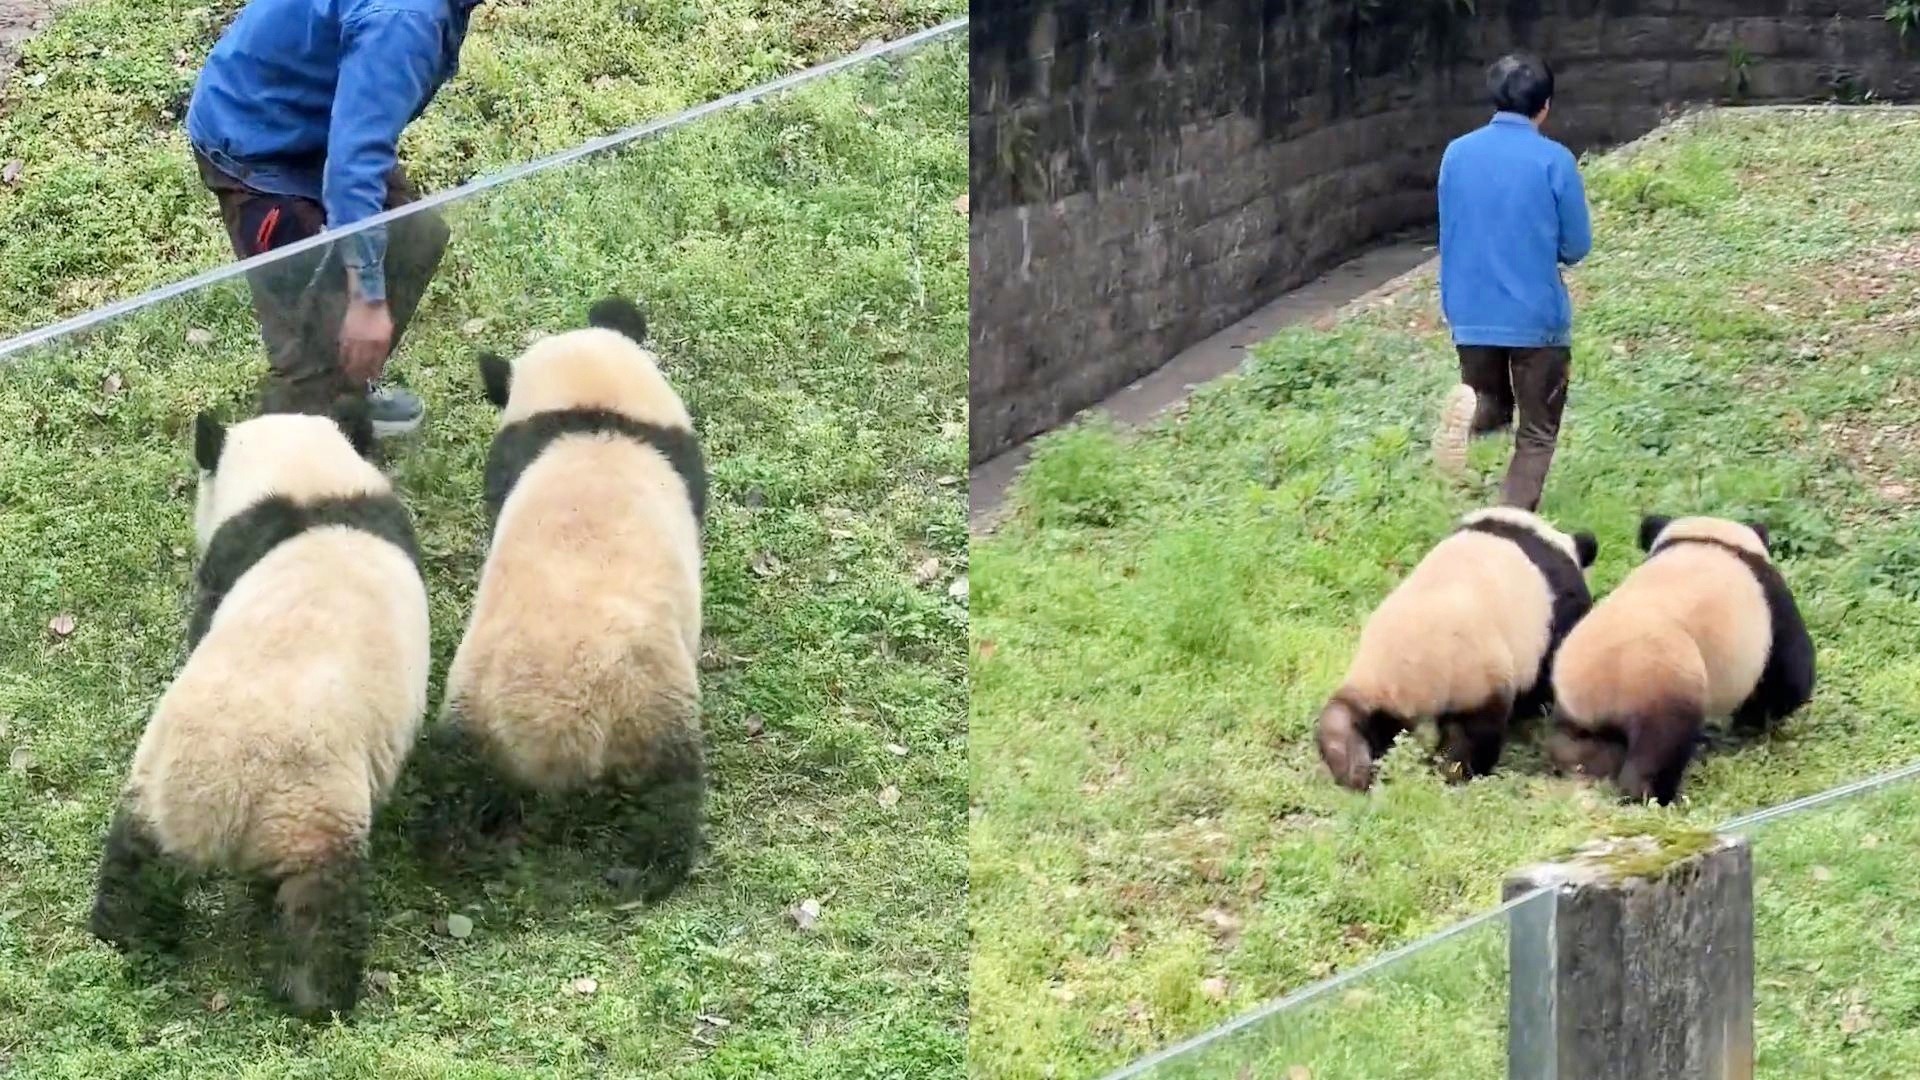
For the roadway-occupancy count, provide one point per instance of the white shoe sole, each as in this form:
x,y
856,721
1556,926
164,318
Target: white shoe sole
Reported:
x,y
387,429
1456,428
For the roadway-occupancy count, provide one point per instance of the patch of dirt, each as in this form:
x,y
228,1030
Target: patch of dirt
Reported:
x,y
1884,280
19,20
1884,447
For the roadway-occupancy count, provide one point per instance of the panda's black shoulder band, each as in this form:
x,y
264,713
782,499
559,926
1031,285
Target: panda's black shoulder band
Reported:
x,y
1772,585
519,443
247,537
1565,582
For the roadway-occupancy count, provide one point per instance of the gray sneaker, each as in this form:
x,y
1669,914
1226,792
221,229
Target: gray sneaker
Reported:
x,y
393,410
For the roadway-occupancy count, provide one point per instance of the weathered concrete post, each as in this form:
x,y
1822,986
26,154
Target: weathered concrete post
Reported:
x,y
1638,964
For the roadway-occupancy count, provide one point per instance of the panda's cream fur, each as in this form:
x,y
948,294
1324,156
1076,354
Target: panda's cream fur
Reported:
x,y
1704,627
296,708
579,665
1462,640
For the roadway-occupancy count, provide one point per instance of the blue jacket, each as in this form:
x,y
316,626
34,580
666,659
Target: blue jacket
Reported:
x,y
1512,211
308,98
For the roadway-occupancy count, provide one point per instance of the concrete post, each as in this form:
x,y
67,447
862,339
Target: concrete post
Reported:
x,y
1639,963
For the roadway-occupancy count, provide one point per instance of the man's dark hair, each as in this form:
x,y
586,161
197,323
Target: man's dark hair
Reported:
x,y
1520,83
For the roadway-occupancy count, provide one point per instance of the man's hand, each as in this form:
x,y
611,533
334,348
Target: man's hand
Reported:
x,y
366,336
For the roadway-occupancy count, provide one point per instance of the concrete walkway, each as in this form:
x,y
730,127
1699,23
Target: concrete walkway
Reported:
x,y
1221,354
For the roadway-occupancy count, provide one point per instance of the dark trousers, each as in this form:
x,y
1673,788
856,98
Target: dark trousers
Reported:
x,y
301,301
1533,382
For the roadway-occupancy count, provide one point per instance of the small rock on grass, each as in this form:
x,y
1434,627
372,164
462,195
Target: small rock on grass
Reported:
x,y
459,927
62,625
889,797
805,913
584,986
199,337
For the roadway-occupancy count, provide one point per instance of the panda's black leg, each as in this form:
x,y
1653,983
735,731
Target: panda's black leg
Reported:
x,y
138,904
663,812
1660,746
468,801
1352,739
323,933
1471,741
1785,685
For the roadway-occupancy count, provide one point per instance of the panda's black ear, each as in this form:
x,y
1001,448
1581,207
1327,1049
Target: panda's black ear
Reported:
x,y
496,378
621,315
1651,527
1759,530
354,418
1586,547
209,438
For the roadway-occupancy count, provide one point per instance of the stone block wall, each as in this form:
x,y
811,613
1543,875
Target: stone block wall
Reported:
x,y
1144,172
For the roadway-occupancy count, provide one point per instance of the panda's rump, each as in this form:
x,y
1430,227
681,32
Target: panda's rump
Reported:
x,y
1469,625
296,711
1625,658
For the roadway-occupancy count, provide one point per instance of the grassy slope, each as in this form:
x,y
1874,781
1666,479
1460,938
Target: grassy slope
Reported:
x,y
108,204
1156,627
806,270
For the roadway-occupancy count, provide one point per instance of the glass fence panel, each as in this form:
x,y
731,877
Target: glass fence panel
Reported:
x,y
1837,943
803,263
1436,1010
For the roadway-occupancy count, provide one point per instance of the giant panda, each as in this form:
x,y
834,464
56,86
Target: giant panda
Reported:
x,y
1466,640
1704,627
578,671
304,686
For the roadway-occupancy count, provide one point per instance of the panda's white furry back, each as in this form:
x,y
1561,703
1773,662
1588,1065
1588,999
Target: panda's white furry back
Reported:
x,y
580,663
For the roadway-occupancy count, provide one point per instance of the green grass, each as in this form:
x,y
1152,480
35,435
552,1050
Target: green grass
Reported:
x,y
1155,846
806,272
108,203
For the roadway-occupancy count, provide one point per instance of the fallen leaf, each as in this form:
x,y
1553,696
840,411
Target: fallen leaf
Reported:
x,y
20,760
459,927
892,748
217,1003
766,564
960,204
889,797
112,384
473,327
61,626
926,571
199,338
1214,988
178,551
958,590
11,171
714,1021
946,481
805,913
755,726
584,986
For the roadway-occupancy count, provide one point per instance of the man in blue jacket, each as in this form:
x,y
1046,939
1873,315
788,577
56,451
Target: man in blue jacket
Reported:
x,y
295,124
1512,213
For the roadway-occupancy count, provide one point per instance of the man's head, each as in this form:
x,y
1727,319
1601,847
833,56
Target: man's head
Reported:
x,y
1521,83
